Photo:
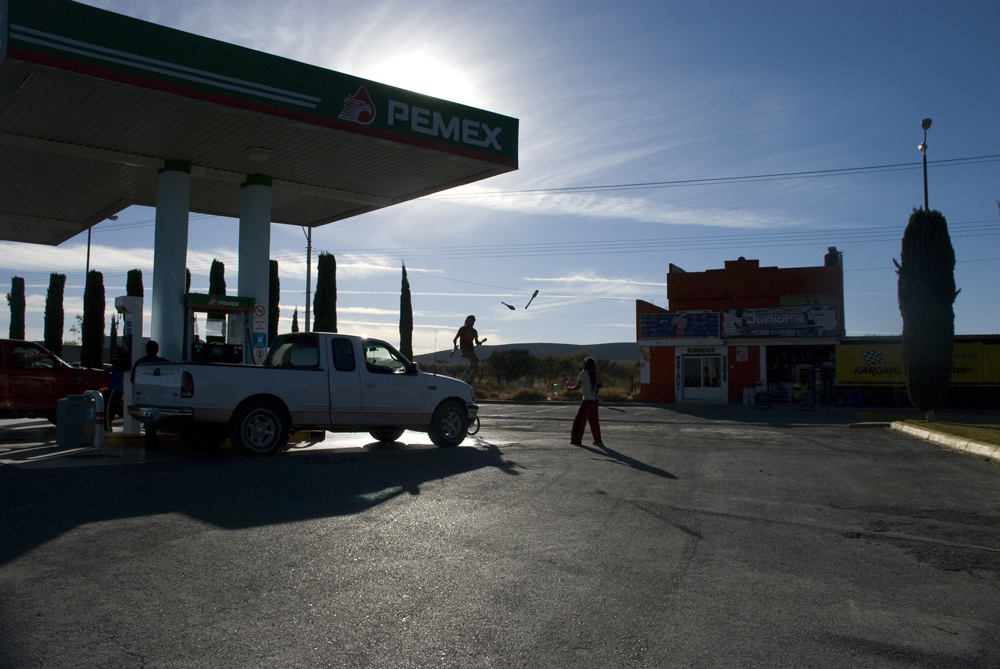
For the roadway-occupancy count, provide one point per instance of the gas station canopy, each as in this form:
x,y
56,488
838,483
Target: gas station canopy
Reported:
x,y
93,104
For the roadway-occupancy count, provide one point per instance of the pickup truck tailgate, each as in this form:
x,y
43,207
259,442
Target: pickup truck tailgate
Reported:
x,y
158,385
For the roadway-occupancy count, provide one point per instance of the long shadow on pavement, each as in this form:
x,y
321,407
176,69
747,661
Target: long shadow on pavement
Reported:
x,y
37,505
622,459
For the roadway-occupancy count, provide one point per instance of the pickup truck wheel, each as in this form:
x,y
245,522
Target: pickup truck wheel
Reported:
x,y
449,424
258,428
387,435
204,437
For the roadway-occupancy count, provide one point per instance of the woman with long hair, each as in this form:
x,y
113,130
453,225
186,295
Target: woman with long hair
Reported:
x,y
589,382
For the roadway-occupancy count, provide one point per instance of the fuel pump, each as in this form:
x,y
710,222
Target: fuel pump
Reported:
x,y
131,310
219,345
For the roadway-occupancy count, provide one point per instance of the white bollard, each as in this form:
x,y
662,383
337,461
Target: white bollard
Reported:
x,y
98,416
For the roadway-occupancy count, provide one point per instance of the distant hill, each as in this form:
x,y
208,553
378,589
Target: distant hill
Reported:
x,y
617,352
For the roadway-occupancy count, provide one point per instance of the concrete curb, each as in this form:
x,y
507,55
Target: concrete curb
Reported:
x,y
949,440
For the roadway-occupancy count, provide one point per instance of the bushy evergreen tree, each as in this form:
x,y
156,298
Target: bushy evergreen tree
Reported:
x,y
274,295
133,283
325,300
509,365
295,320
54,314
16,300
92,334
405,319
927,293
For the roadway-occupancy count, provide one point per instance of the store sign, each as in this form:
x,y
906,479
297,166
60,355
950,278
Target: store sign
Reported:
x,y
701,350
882,364
815,321
679,325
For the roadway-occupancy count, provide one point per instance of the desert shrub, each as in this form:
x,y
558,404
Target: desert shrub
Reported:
x,y
529,395
613,396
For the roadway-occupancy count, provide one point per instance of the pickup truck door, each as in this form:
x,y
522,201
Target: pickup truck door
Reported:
x,y
345,383
390,393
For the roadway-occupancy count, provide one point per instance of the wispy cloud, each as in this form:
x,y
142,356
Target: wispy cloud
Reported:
x,y
593,279
593,205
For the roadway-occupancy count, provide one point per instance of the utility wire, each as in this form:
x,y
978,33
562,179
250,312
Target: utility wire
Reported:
x,y
754,239
724,180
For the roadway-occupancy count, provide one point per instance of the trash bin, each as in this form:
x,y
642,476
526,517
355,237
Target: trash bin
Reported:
x,y
75,421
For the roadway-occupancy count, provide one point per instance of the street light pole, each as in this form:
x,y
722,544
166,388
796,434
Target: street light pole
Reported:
x,y
309,253
925,124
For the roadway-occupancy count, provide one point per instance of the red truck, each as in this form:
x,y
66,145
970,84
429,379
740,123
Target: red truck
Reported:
x,y
33,379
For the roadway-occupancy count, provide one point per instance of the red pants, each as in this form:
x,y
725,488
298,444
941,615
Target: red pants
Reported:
x,y
587,413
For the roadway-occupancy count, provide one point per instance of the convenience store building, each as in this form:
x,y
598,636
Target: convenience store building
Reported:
x,y
729,333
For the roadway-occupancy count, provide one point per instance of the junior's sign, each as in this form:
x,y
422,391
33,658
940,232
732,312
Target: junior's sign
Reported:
x,y
817,321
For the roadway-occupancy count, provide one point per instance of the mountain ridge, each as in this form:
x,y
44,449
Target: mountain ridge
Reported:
x,y
616,351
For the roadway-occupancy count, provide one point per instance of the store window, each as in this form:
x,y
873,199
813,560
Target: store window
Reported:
x,y
702,376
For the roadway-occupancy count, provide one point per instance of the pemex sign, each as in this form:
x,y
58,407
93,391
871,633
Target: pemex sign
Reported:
x,y
79,38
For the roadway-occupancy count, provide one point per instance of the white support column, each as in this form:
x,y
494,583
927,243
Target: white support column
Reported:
x,y
255,248
173,199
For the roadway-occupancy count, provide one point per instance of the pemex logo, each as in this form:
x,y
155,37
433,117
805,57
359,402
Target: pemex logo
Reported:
x,y
358,108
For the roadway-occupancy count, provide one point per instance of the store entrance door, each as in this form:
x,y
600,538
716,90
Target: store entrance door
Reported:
x,y
703,377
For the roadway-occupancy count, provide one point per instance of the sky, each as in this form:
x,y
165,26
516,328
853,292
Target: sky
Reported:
x,y
617,94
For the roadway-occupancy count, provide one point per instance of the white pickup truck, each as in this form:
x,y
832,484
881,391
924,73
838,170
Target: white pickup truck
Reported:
x,y
309,381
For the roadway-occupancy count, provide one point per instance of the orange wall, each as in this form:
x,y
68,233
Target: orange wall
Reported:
x,y
743,284
661,376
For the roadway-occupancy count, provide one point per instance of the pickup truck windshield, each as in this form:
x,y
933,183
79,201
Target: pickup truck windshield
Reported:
x,y
380,358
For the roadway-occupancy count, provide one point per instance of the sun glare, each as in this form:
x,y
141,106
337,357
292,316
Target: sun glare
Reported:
x,y
420,73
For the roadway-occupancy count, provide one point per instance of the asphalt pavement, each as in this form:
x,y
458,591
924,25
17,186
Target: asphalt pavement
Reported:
x,y
698,536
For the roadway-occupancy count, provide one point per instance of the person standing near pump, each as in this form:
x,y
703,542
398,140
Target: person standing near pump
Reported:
x,y
590,382
113,404
152,355
468,339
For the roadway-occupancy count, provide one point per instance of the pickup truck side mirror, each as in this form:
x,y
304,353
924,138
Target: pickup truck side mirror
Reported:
x,y
414,369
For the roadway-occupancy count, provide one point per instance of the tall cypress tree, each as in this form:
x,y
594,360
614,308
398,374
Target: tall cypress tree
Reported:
x,y
273,297
54,314
405,319
217,278
926,289
133,283
92,334
113,344
295,320
16,300
325,300
216,286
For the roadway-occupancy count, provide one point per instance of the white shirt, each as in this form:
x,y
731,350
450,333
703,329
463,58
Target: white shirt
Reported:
x,y
589,392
